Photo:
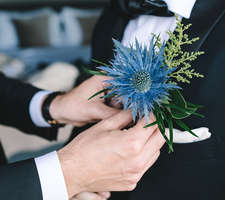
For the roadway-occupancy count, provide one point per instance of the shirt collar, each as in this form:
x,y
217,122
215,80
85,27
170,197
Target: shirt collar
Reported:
x,y
181,7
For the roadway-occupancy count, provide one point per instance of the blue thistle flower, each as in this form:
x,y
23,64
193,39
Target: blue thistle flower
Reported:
x,y
139,78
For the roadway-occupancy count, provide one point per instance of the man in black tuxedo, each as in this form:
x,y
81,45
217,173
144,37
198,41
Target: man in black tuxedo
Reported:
x,y
196,170
94,161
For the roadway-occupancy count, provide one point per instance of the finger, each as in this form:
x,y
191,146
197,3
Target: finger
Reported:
x,y
103,111
118,121
100,80
148,153
89,196
113,103
105,194
142,134
93,84
151,162
156,141
153,145
143,123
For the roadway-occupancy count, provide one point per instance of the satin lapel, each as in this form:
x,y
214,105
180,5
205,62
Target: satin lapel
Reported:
x,y
110,25
204,17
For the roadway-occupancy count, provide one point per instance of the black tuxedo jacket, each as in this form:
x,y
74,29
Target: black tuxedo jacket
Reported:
x,y
19,181
195,171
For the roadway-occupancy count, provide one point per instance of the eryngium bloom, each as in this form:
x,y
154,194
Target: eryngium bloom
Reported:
x,y
139,78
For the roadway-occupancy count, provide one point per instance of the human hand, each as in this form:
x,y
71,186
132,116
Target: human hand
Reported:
x,y
106,158
91,196
75,108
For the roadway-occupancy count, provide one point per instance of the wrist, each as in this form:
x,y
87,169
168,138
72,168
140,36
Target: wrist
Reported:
x,y
51,111
56,109
70,172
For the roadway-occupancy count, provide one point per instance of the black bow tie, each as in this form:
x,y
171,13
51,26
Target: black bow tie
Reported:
x,y
134,8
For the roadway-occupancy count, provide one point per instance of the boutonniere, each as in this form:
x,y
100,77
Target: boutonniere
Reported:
x,y
146,79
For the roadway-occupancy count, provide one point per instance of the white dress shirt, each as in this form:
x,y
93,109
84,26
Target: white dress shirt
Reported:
x,y
48,166
142,27
51,177
35,109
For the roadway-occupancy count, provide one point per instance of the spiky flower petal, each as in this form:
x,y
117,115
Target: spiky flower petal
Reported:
x,y
140,79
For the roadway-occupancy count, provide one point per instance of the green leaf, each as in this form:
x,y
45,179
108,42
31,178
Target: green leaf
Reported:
x,y
99,62
177,98
152,124
184,126
162,114
177,105
178,112
108,97
93,72
166,139
169,121
165,101
181,109
192,111
159,114
161,125
97,93
198,114
181,113
192,108
160,118
170,124
191,105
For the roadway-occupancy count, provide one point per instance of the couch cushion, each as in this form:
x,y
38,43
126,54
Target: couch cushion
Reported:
x,y
34,31
79,24
8,36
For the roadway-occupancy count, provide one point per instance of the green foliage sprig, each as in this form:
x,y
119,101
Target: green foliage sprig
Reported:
x,y
176,57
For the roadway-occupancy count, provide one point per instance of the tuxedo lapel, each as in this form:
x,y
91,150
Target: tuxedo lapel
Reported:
x,y
204,17
110,25
208,91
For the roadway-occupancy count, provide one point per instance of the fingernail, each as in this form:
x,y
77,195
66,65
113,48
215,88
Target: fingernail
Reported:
x,y
106,194
104,83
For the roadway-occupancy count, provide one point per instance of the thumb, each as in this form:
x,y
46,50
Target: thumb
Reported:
x,y
118,121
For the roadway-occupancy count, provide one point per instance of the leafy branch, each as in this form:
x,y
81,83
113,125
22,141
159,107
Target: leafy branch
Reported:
x,y
174,55
173,112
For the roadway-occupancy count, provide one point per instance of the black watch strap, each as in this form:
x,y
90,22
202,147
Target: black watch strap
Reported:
x,y
46,109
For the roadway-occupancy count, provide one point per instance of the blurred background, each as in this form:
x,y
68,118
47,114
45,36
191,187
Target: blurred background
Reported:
x,y
44,42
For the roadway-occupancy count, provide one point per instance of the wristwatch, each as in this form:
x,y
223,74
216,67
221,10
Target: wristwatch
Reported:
x,y
46,112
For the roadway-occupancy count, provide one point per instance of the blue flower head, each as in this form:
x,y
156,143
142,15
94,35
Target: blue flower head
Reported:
x,y
139,78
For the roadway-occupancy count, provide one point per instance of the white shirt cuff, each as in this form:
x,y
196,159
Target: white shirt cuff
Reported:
x,y
35,109
181,7
51,177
